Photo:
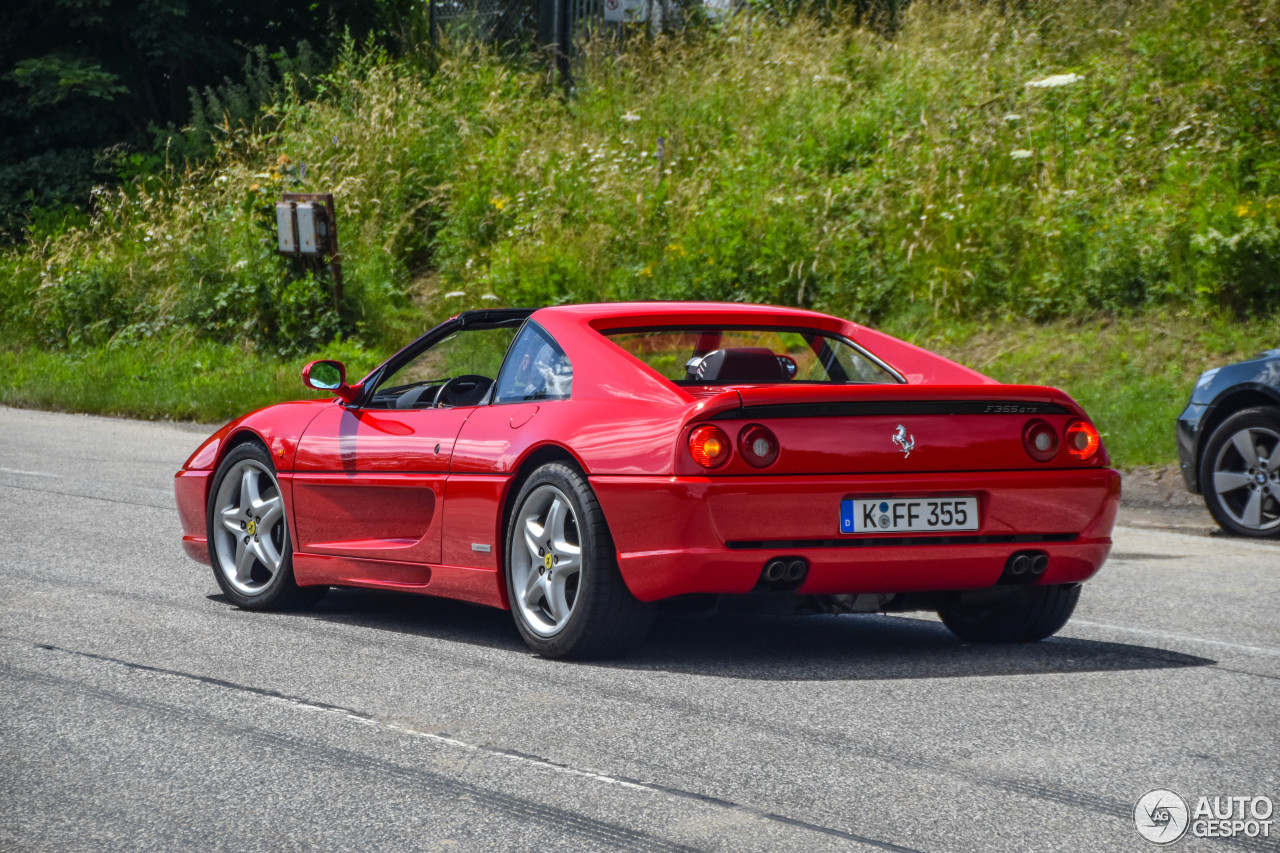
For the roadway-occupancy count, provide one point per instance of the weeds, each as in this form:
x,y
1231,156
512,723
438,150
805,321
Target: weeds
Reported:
x,y
1067,160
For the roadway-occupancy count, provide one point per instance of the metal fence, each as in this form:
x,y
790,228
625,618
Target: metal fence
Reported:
x,y
502,22
563,24
559,24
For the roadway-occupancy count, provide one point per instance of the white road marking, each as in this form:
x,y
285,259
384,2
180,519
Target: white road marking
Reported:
x,y
1167,635
29,473
540,763
1124,629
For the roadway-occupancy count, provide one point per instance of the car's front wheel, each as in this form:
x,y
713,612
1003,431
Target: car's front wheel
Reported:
x,y
249,534
566,594
1023,614
1240,473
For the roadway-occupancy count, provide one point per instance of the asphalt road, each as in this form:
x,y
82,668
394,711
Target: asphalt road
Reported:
x,y
140,711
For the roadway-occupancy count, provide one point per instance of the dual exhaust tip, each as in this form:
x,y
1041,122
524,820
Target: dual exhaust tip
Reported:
x,y
786,573
781,573
1025,567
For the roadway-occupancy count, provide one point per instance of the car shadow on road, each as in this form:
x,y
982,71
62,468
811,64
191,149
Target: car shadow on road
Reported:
x,y
767,648
417,615
873,647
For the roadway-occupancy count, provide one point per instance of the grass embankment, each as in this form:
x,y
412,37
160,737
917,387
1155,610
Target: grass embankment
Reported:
x,y
1111,229
1133,374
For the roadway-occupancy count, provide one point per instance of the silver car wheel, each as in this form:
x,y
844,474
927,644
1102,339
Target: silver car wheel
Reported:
x,y
1246,478
546,560
250,536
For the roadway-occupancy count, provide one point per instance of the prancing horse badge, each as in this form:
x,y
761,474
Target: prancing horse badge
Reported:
x,y
905,444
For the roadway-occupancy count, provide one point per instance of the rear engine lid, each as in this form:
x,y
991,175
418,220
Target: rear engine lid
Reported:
x,y
885,429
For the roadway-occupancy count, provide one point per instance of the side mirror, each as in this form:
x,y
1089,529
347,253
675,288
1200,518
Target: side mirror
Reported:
x,y
329,376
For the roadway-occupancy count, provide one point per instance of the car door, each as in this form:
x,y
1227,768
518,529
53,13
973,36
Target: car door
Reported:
x,y
369,478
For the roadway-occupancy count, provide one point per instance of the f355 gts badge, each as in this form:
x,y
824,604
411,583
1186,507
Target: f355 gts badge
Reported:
x,y
905,443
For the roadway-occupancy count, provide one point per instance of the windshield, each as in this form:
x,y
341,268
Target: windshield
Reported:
x,y
722,355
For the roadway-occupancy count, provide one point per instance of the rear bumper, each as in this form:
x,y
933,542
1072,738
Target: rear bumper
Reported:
x,y
680,535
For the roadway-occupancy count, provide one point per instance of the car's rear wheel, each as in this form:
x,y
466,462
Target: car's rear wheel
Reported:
x,y
1016,615
1240,473
566,594
249,534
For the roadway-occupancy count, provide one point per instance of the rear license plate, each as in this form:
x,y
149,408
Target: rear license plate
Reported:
x,y
908,515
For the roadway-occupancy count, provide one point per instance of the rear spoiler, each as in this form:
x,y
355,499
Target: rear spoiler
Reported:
x,y
791,401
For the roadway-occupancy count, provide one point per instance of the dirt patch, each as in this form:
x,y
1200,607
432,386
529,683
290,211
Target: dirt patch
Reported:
x,y
1155,496
1158,486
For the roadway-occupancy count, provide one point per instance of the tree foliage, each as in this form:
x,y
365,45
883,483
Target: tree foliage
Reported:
x,y
86,83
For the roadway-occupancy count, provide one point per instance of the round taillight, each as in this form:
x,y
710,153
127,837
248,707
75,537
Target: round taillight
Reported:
x,y
709,446
1041,440
758,445
1082,440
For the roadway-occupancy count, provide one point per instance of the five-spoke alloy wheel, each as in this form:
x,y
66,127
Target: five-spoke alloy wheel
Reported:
x,y
1240,473
567,596
249,534
546,580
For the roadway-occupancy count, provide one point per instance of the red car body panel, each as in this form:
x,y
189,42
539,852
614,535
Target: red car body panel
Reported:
x,y
416,499
678,535
278,428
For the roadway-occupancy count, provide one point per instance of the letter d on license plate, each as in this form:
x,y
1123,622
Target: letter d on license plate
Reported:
x,y
908,515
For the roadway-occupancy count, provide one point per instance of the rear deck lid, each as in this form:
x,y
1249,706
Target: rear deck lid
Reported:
x,y
894,428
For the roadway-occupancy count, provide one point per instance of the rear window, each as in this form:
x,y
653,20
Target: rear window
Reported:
x,y
736,355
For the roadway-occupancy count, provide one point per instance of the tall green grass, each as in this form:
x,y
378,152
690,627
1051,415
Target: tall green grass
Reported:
x,y
1071,162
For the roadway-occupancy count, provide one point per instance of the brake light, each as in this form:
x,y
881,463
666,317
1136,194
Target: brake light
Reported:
x,y
1040,440
709,446
1082,440
758,445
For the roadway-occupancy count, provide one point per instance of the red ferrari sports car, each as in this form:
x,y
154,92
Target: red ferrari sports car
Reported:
x,y
577,463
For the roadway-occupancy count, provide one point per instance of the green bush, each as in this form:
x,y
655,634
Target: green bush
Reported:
x,y
1064,160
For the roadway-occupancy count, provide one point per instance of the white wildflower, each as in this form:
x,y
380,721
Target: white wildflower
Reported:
x,y
454,294
630,116
1054,82
1019,154
1012,117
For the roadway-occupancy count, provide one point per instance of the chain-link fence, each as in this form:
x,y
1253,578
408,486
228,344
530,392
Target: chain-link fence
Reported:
x,y
502,22
562,24
557,24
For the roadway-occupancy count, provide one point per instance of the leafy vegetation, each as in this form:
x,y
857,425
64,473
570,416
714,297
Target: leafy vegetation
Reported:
x,y
1078,178
91,92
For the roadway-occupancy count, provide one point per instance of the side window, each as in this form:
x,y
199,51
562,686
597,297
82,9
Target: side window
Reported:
x,y
455,371
536,369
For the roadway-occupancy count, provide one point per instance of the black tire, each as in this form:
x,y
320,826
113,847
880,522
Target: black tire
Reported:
x,y
1242,494
586,611
1022,615
246,493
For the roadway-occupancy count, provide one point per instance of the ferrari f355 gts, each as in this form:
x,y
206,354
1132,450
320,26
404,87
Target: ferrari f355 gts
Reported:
x,y
576,464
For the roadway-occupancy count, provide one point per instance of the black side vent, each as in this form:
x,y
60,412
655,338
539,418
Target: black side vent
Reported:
x,y
892,408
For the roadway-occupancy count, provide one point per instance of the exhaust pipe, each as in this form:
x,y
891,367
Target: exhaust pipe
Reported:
x,y
783,573
1024,567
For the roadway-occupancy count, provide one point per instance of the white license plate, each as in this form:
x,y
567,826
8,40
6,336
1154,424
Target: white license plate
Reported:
x,y
908,515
